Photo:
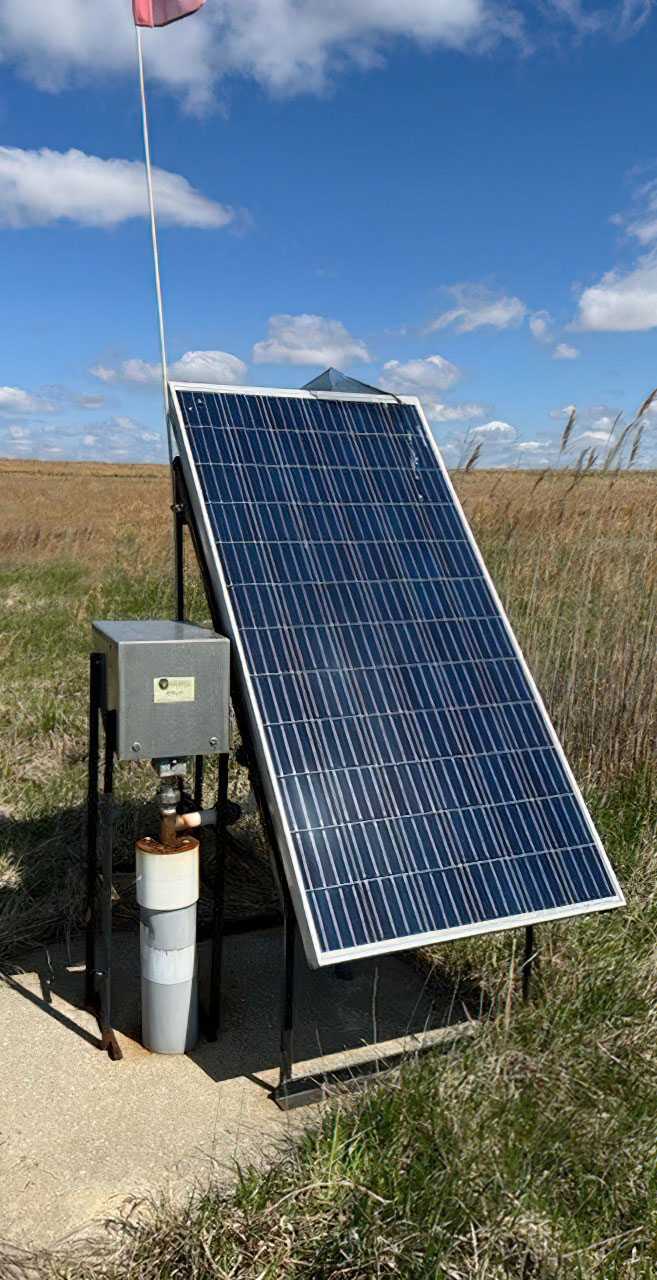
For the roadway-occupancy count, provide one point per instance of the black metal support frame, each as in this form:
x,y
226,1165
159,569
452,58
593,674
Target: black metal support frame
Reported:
x,y
289,1092
97,989
218,900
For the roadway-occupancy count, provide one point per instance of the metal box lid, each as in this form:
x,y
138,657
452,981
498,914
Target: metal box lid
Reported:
x,y
158,631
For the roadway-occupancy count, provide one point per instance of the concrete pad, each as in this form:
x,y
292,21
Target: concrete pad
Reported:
x,y
80,1134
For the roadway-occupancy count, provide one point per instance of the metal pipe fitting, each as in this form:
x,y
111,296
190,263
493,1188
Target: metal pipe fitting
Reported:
x,y
168,797
204,818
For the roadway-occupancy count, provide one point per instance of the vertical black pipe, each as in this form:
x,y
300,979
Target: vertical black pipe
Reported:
x,y
527,963
106,849
110,751
198,782
95,696
179,562
218,903
287,1024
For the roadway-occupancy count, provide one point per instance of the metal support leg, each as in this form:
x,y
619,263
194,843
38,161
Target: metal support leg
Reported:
x,y
284,1093
95,695
528,963
287,1025
99,865
179,556
218,904
198,782
104,968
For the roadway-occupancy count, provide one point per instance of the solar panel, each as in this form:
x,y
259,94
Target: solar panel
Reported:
x,y
417,788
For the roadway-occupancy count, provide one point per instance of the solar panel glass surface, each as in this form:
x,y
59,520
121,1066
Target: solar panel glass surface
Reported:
x,y
414,779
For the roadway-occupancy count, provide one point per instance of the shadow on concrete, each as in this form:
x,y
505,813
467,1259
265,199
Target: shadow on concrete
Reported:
x,y
386,999
45,1003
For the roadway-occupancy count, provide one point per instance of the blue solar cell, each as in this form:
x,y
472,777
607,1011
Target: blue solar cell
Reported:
x,y
414,779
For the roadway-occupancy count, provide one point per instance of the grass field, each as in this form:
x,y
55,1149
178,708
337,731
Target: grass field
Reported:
x,y
532,1152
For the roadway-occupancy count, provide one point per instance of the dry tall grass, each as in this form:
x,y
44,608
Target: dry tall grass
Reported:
x,y
80,511
574,557
573,554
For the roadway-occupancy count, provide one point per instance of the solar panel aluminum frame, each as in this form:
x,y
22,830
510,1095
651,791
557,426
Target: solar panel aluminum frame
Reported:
x,y
317,957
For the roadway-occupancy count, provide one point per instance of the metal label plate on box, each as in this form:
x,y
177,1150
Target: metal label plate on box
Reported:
x,y
173,689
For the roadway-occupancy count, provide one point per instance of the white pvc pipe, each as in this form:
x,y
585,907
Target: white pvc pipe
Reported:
x,y
166,881
167,893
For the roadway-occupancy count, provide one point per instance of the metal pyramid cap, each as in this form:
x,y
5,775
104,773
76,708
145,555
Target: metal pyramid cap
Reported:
x,y
333,380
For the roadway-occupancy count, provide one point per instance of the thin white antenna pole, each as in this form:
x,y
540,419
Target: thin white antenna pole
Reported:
x,y
156,255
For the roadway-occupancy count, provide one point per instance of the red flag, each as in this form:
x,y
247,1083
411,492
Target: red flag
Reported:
x,y
158,13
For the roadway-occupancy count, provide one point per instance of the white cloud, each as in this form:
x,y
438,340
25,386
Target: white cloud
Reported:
x,y
420,377
73,41
138,371
124,423
534,453
625,299
194,366
426,378
292,45
540,323
457,412
16,442
121,439
309,340
296,44
14,400
642,225
85,401
477,306
494,443
588,439
622,301
208,366
597,428
619,19
495,432
38,188
288,46
10,448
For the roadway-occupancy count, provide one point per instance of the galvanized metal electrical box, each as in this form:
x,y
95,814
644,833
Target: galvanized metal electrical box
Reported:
x,y
169,684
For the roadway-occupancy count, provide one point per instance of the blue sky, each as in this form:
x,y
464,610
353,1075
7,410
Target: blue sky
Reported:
x,y
451,198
